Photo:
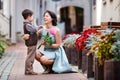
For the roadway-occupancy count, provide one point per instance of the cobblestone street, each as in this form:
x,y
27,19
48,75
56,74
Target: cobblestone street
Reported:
x,y
16,55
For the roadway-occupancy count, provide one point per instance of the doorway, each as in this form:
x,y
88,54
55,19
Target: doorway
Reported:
x,y
73,17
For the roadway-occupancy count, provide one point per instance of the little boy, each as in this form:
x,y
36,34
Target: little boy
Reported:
x,y
31,42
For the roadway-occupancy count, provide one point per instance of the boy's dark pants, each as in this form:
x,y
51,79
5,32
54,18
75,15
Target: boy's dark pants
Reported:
x,y
31,50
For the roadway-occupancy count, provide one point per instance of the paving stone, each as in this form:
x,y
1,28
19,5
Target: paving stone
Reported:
x,y
17,72
8,68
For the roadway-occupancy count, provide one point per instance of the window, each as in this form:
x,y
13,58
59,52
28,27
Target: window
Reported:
x,y
104,2
1,5
111,0
94,2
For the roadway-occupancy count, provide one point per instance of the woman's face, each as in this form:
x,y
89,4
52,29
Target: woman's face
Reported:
x,y
47,18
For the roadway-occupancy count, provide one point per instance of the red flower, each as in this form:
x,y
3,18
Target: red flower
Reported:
x,y
80,41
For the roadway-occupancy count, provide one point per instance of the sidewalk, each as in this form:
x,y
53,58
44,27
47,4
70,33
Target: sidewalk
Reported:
x,y
17,70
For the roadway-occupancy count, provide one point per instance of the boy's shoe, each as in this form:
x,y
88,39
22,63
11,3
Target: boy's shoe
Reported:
x,y
31,73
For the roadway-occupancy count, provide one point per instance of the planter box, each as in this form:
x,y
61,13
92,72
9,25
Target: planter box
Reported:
x,y
99,71
90,72
84,60
79,59
74,56
105,25
111,70
68,53
98,27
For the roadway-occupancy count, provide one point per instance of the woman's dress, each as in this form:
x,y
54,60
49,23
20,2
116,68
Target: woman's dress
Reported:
x,y
60,64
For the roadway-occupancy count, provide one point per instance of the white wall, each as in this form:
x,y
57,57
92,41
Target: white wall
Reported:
x,y
4,19
4,26
6,8
109,11
96,10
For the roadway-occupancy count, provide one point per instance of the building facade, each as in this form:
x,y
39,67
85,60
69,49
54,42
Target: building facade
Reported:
x,y
71,14
105,10
11,20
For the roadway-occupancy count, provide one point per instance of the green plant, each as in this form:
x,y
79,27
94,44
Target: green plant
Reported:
x,y
104,47
116,46
69,40
47,39
3,45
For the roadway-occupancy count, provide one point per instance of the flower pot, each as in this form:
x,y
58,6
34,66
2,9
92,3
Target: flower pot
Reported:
x,y
68,53
84,60
74,55
90,72
79,59
99,71
111,70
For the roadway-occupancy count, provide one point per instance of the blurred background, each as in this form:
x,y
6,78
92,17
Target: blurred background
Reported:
x,y
73,15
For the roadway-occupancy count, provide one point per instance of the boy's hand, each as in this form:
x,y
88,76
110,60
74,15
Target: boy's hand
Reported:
x,y
26,36
40,27
34,21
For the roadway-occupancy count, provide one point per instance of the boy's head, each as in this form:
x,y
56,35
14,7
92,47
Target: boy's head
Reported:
x,y
27,14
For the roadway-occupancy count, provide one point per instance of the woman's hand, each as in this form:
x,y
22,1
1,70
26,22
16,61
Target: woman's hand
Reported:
x,y
46,44
42,42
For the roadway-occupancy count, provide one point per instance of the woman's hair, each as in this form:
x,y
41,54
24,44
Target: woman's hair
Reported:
x,y
53,16
26,13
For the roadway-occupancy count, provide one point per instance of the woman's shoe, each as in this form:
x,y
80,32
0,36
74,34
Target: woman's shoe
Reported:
x,y
46,71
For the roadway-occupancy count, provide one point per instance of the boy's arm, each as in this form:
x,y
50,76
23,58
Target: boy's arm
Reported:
x,y
39,30
26,36
34,23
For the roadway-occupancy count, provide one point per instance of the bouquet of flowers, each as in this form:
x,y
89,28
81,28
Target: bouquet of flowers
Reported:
x,y
47,39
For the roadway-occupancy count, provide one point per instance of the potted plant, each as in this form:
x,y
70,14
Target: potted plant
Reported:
x,y
3,45
69,45
106,50
81,43
111,67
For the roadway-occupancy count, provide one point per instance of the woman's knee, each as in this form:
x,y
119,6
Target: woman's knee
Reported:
x,y
38,56
44,60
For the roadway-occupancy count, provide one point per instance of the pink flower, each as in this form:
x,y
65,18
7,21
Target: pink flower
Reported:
x,y
52,31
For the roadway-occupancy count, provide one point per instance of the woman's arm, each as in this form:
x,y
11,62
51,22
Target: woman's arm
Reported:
x,y
57,39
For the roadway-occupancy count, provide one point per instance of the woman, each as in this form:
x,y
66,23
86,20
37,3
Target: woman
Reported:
x,y
53,56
